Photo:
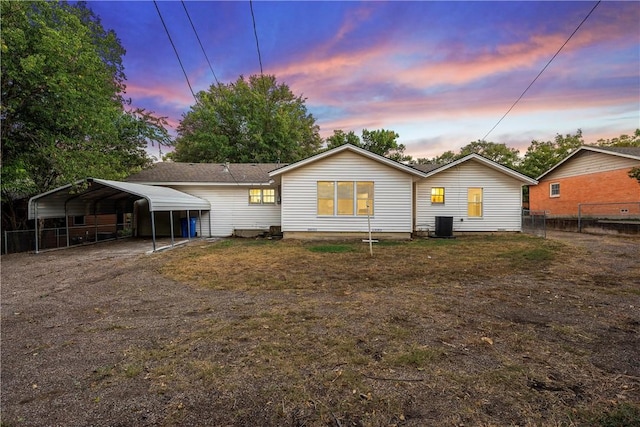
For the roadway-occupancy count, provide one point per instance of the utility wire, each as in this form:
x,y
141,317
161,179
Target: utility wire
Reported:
x,y
175,50
199,42
255,33
542,71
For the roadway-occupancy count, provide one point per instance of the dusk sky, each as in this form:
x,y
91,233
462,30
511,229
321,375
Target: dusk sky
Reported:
x,y
440,74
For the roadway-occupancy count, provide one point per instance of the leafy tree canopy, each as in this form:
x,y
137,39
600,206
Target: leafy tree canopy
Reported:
x,y
63,113
625,141
621,141
543,155
381,141
540,155
498,152
250,120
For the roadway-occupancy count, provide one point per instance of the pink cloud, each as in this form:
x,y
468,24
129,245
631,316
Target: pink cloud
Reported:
x,y
173,94
323,75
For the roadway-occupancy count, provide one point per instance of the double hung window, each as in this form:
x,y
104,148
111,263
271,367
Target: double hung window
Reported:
x,y
474,202
437,195
262,196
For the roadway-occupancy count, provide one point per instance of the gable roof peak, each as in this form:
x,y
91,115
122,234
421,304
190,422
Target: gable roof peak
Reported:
x,y
626,152
348,147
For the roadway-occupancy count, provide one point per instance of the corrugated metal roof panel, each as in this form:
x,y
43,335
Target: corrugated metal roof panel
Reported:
x,y
73,199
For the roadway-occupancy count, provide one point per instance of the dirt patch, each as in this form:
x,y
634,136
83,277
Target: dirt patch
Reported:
x,y
472,332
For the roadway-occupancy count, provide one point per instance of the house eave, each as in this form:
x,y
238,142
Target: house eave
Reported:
x,y
206,184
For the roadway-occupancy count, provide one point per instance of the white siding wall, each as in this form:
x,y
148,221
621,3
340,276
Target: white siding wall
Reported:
x,y
587,162
392,196
502,199
230,210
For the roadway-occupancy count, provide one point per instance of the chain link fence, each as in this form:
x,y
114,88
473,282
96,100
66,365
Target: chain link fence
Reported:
x,y
534,222
623,217
54,238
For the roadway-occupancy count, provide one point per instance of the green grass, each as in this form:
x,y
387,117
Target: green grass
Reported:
x,y
621,415
365,339
332,248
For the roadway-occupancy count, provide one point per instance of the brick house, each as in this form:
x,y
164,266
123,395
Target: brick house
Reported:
x,y
596,178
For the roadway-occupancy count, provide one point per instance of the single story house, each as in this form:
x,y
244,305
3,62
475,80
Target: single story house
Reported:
x,y
241,195
343,192
591,180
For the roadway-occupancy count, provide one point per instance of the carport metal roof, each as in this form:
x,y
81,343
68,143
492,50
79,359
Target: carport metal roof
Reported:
x,y
102,195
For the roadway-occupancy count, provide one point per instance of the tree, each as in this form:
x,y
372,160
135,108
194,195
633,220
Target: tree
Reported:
x,y
250,120
623,140
543,155
498,152
63,111
446,157
339,138
383,142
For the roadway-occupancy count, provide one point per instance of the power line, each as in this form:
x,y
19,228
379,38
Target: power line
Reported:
x,y
175,50
255,32
199,42
542,71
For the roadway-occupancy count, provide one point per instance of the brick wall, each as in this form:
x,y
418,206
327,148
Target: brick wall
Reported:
x,y
603,187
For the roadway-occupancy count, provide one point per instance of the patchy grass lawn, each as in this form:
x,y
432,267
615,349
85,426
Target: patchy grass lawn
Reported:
x,y
491,330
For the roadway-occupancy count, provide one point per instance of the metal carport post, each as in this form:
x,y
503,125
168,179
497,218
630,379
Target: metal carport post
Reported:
x,y
36,226
153,229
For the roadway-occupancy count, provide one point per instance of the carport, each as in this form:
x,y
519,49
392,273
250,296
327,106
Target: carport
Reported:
x,y
92,196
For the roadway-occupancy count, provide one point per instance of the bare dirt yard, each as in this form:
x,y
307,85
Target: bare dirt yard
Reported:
x,y
492,330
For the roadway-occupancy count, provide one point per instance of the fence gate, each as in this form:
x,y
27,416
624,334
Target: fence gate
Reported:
x,y
534,222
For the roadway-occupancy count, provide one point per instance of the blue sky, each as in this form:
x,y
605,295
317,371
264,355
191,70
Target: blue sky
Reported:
x,y
440,74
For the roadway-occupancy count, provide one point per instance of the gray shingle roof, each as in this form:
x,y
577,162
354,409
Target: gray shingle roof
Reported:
x,y
426,167
630,151
232,173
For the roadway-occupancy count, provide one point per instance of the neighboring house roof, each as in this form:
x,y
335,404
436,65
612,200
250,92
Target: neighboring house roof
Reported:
x,y
352,148
626,152
205,173
54,203
483,160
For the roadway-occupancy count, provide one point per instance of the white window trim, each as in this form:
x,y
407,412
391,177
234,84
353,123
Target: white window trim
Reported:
x,y
481,216
551,189
355,200
262,202
444,196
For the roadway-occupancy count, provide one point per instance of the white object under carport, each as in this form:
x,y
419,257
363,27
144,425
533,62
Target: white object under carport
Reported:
x,y
79,197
